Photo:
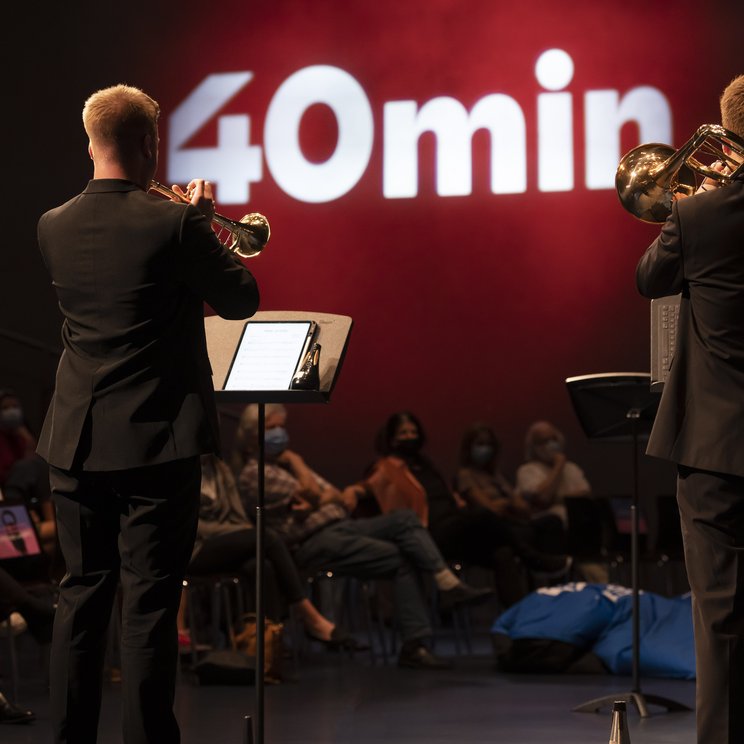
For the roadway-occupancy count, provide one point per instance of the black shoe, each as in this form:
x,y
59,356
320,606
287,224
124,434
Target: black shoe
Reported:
x,y
417,656
10,713
462,594
340,640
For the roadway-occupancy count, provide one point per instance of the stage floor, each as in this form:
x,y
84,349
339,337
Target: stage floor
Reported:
x,y
337,700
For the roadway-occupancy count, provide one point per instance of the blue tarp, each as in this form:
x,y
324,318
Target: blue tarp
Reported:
x,y
597,618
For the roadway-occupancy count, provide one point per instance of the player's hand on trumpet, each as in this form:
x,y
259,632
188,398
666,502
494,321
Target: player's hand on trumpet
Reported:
x,y
200,193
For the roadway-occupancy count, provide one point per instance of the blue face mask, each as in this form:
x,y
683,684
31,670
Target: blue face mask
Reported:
x,y
481,454
11,418
276,441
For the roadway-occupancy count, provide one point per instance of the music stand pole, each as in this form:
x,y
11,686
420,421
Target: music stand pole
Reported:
x,y
260,551
634,414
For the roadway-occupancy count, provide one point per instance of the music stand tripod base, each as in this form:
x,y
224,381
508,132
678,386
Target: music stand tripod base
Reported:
x,y
639,699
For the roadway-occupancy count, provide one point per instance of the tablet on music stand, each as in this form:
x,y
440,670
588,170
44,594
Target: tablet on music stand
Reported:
x,y
268,354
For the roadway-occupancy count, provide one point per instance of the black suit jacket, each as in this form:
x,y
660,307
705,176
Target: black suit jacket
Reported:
x,y
700,253
131,272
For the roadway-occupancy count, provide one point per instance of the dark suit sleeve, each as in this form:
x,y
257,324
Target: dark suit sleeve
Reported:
x,y
212,272
660,271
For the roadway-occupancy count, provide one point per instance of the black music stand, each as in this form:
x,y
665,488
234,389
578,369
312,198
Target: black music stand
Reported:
x,y
620,407
223,337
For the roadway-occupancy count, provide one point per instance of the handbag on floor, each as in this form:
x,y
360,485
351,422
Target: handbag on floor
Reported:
x,y
244,640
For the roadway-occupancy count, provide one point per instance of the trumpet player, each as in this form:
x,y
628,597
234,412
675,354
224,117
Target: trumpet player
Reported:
x,y
132,412
700,423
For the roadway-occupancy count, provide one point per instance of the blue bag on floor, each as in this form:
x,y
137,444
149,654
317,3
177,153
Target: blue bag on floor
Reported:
x,y
597,618
575,613
667,646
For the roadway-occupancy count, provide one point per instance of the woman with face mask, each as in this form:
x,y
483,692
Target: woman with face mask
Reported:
x,y
545,480
547,477
24,476
479,480
16,441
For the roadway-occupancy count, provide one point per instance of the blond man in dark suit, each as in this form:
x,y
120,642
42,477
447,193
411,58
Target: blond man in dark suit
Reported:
x,y
132,412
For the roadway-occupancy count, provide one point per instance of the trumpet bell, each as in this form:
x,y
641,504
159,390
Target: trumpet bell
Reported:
x,y
245,237
640,189
250,242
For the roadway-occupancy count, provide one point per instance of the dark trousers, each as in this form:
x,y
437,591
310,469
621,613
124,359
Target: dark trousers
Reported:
x,y
137,526
236,551
393,545
712,513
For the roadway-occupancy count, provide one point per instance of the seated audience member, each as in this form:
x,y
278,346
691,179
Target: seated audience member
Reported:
x,y
480,482
547,477
37,612
313,518
39,617
481,537
546,480
226,542
24,476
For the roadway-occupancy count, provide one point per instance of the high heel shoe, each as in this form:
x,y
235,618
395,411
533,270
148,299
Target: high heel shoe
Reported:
x,y
340,640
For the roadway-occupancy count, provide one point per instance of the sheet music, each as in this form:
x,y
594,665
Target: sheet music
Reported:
x,y
268,355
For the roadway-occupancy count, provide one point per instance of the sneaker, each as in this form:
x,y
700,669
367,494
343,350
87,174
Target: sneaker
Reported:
x,y
417,656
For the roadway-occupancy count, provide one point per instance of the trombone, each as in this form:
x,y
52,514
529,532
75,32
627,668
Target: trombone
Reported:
x,y
651,176
245,237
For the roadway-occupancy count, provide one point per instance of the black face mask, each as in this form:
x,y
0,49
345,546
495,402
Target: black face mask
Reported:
x,y
407,447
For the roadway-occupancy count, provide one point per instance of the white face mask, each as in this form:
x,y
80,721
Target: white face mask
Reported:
x,y
11,418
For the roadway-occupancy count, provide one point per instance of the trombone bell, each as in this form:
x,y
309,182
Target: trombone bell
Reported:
x,y
650,177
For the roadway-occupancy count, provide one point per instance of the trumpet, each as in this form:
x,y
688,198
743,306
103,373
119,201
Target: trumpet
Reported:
x,y
245,237
650,177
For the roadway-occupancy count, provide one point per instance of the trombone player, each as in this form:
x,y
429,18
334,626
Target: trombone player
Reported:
x,y
133,410
700,422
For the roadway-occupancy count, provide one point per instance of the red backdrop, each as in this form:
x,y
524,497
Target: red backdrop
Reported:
x,y
465,307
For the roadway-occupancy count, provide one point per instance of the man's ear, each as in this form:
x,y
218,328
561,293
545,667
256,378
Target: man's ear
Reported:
x,y
90,150
148,149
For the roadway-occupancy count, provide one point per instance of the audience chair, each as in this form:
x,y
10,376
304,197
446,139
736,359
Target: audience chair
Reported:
x,y
592,534
10,628
226,597
461,626
344,599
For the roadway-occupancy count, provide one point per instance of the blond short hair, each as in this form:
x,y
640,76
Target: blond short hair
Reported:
x,y
732,106
112,117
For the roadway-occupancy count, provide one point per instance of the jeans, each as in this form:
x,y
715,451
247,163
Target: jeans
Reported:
x,y
394,545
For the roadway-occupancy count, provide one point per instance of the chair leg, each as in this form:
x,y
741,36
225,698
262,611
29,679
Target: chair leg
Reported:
x,y
367,610
13,657
228,612
191,620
